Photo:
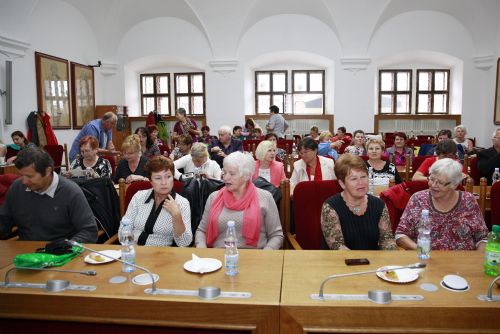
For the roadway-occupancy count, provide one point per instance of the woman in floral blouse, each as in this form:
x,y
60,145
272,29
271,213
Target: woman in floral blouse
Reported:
x,y
353,219
357,146
456,221
88,158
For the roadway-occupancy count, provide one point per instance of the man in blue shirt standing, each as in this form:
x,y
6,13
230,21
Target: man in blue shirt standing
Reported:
x,y
102,129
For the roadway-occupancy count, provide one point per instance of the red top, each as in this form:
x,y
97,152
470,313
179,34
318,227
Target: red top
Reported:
x,y
426,165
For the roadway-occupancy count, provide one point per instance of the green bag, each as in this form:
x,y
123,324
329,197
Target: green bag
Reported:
x,y
41,260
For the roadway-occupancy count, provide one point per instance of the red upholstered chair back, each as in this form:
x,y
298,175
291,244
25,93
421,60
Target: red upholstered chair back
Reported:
x,y
112,162
474,172
143,185
5,182
286,144
495,203
308,198
56,152
396,198
417,161
10,153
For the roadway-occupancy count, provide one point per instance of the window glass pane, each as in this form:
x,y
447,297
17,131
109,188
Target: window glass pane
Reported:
x,y
162,85
440,80
402,103
198,105
197,83
147,85
308,104
439,103
424,81
163,107
403,81
387,82
300,82
386,104
424,101
182,84
316,82
263,104
263,82
183,102
279,82
148,105
278,101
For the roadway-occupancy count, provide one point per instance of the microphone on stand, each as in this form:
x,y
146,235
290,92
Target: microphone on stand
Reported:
x,y
153,284
85,272
411,266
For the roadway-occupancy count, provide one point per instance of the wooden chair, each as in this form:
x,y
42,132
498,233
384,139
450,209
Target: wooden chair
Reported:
x,y
495,203
286,144
482,196
474,171
308,199
417,161
284,208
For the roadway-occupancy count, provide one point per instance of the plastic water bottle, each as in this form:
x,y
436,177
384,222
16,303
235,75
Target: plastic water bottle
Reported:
x,y
371,181
424,236
496,176
231,256
126,238
492,253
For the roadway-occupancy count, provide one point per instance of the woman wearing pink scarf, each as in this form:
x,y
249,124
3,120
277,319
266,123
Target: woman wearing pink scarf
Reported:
x,y
252,209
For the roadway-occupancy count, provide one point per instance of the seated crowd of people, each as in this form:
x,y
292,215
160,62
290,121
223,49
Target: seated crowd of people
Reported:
x,y
352,219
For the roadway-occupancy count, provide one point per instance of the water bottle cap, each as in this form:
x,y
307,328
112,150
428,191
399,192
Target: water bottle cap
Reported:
x,y
125,221
230,223
496,169
496,228
425,212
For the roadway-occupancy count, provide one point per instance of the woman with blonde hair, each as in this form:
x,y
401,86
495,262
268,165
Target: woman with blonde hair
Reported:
x,y
131,167
198,162
383,170
266,165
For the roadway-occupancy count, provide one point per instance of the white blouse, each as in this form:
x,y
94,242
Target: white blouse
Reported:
x,y
210,167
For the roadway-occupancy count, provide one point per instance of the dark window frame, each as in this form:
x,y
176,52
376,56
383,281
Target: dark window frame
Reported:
x,y
308,90
190,95
395,92
271,92
155,95
433,91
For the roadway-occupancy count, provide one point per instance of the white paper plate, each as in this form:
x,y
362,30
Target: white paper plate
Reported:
x,y
144,279
94,258
202,265
398,276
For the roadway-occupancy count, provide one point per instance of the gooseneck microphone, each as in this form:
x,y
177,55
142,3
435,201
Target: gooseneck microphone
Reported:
x,y
411,266
153,284
85,272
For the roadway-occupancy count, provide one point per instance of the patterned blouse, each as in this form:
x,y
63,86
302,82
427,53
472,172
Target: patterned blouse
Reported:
x,y
355,150
152,151
382,176
102,167
461,228
341,228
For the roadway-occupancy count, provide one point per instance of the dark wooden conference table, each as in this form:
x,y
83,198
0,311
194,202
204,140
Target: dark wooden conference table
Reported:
x,y
280,283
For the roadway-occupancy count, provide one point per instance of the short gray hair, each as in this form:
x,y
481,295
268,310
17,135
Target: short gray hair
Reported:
x,y
244,162
460,126
109,116
450,168
199,150
262,148
225,129
181,111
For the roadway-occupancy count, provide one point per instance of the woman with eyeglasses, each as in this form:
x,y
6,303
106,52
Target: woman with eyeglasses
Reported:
x,y
353,219
456,220
311,166
159,216
252,209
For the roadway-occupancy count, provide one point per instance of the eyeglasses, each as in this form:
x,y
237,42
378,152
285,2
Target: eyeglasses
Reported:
x,y
436,181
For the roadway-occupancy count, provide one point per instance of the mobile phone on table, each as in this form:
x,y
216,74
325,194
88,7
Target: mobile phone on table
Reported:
x,y
357,262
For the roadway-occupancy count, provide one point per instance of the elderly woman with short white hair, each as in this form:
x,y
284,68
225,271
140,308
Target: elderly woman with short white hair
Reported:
x,y
198,162
252,209
266,165
459,138
456,221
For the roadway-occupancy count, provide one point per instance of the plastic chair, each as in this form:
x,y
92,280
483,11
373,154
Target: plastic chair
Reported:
x,y
308,199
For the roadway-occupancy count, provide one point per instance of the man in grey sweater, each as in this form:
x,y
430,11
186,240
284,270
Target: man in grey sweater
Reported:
x,y
44,206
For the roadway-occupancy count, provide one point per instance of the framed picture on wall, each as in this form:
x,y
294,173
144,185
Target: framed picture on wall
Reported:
x,y
82,91
52,83
496,115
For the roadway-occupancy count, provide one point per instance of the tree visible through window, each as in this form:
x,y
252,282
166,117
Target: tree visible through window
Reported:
x,y
190,92
155,93
394,92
